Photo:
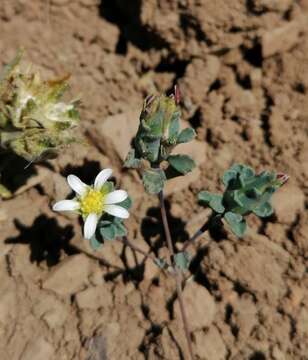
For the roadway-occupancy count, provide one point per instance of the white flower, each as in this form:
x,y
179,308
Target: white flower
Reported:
x,y
93,201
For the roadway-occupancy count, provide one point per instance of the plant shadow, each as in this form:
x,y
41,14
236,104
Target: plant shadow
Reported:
x,y
152,228
46,239
13,177
127,16
86,172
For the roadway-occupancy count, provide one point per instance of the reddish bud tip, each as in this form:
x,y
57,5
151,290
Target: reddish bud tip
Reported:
x,y
177,94
283,178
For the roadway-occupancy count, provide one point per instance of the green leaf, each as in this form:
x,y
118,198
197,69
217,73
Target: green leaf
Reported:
x,y
244,201
214,201
131,161
153,180
174,129
119,227
237,223
127,203
182,260
107,187
95,243
186,135
228,176
181,163
161,263
108,232
263,210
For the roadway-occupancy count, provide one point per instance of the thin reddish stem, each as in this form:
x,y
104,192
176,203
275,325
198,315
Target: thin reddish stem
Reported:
x,y
178,276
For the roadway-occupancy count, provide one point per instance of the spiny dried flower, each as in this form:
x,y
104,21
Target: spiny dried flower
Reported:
x,y
34,121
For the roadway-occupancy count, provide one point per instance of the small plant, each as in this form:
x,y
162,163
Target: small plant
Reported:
x,y
152,154
35,123
245,193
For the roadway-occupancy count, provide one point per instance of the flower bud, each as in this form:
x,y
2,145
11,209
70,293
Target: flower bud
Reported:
x,y
154,137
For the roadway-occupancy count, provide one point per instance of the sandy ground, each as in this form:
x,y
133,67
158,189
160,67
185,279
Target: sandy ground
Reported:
x,y
243,70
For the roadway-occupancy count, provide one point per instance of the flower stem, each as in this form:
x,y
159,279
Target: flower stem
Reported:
x,y
128,243
196,235
178,276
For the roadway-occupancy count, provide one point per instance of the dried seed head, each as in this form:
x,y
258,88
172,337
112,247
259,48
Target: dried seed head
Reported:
x,y
34,120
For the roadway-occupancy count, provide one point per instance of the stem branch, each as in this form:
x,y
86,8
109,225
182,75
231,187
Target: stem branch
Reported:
x,y
128,243
178,276
196,235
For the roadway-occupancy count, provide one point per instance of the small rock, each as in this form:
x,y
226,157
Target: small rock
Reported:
x,y
277,354
38,349
51,310
210,346
302,323
181,183
281,39
206,72
68,277
245,317
117,131
288,202
151,270
262,274
169,346
300,234
156,302
199,304
272,5
94,298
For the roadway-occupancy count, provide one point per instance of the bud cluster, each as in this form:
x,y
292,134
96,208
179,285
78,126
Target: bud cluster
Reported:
x,y
157,135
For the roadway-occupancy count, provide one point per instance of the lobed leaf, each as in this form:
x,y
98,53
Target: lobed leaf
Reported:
x,y
186,135
214,201
174,129
108,232
237,223
95,243
264,210
131,161
181,163
182,260
153,180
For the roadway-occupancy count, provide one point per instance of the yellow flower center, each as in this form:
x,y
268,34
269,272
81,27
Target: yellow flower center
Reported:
x,y
92,202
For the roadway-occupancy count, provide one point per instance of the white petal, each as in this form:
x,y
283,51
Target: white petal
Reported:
x,y
115,197
90,226
66,205
101,178
117,211
76,184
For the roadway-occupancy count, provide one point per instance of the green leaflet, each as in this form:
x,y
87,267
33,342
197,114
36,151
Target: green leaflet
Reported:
x,y
182,260
153,180
131,161
174,129
214,201
237,223
181,163
186,135
264,210
95,243
161,263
